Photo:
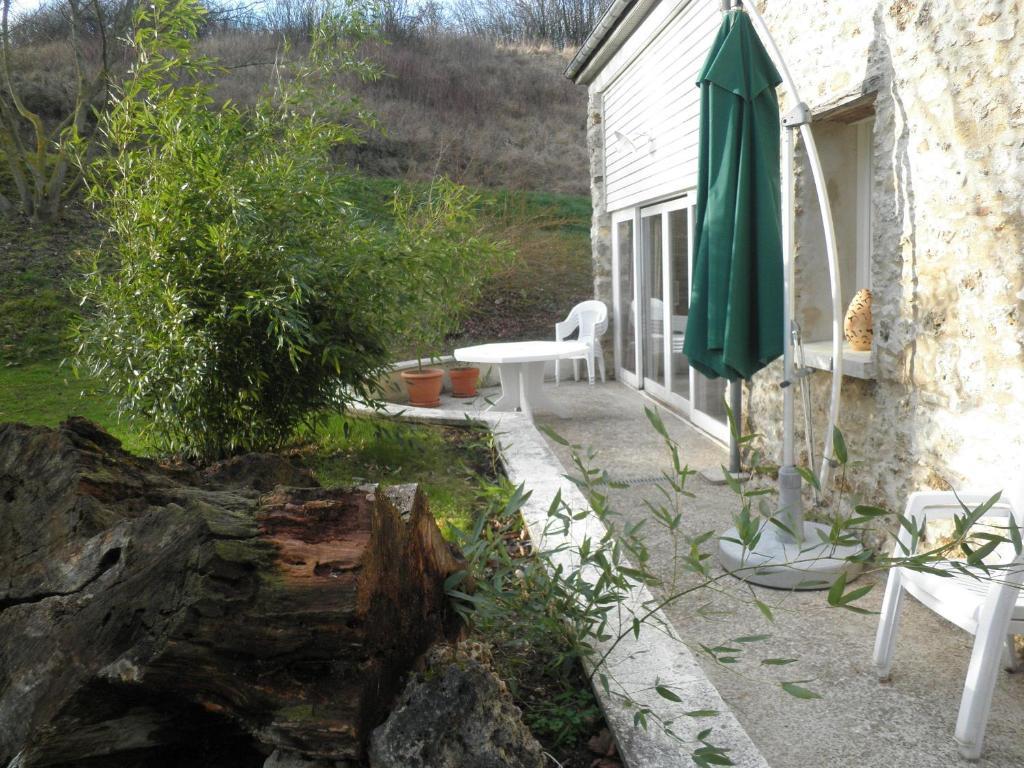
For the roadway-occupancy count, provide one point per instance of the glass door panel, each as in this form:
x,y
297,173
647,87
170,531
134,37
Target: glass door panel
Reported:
x,y
679,288
708,394
626,319
664,267
709,405
652,299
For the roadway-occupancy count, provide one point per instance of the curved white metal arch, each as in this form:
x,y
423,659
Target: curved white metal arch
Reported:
x,y
799,556
831,248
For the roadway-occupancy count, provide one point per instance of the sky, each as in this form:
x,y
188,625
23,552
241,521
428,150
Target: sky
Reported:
x,y
26,5
18,6
23,5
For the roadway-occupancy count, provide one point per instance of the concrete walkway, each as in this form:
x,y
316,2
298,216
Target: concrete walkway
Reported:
x,y
907,723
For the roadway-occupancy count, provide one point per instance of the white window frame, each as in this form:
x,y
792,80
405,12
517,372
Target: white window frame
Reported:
x,y
632,378
865,143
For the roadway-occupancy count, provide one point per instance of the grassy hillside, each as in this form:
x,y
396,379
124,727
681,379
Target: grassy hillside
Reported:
x,y
484,114
35,302
550,234
500,119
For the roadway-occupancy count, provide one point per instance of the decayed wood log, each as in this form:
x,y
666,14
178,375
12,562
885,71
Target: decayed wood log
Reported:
x,y
154,616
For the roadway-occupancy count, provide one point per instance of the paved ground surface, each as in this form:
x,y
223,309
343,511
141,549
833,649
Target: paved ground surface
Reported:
x,y
907,723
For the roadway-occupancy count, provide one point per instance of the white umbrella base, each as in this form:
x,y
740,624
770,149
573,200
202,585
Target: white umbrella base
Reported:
x,y
785,565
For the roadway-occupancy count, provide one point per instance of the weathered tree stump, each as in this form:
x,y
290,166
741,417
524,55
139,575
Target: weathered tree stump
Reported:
x,y
158,617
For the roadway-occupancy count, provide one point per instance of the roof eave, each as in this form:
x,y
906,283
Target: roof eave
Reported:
x,y
614,28
597,38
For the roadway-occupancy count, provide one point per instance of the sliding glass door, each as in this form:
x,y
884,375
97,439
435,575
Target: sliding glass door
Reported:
x,y
653,251
652,304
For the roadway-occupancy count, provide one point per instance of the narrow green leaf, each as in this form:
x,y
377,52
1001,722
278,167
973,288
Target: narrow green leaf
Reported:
x,y
839,445
781,525
667,693
856,594
711,756
655,418
869,511
977,557
553,435
835,592
809,476
799,691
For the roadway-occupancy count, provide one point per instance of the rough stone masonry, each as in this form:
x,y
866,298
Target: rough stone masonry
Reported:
x,y
947,220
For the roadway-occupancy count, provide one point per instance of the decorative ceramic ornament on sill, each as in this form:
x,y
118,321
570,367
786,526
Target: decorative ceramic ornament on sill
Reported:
x,y
857,324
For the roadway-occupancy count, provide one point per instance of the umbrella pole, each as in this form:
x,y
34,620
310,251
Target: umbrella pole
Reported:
x,y
800,120
736,406
790,482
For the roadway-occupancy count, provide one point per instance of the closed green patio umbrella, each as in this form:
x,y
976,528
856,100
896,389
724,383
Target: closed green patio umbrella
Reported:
x,y
735,324
741,302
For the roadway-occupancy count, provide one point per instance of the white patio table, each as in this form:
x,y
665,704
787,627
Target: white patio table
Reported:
x,y
521,369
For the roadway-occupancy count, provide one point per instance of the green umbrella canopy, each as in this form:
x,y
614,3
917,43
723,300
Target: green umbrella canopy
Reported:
x,y
736,326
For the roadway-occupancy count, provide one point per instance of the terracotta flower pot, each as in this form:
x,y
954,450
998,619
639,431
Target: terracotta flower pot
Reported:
x,y
424,387
464,381
857,323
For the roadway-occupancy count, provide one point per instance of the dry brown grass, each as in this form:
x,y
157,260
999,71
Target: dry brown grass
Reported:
x,y
484,114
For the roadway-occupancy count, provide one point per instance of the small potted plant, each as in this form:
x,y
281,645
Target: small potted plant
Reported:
x,y
427,331
464,379
424,385
449,259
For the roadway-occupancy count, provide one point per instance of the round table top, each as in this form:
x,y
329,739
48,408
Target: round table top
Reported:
x,y
520,352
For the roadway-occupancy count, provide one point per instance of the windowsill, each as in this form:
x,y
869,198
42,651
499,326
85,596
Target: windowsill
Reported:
x,y
860,365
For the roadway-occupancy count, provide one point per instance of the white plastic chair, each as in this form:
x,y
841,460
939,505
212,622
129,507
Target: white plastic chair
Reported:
x,y
991,608
656,326
591,318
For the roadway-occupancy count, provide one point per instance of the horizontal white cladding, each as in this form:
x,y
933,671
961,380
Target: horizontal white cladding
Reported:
x,y
652,105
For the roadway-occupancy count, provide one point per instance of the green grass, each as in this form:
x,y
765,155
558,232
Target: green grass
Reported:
x,y
449,462
46,393
36,304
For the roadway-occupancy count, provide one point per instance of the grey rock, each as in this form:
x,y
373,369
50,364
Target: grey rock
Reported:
x,y
456,716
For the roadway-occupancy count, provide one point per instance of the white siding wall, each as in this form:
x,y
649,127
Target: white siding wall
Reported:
x,y
650,98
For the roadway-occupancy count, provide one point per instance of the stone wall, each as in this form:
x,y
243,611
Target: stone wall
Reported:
x,y
948,229
601,223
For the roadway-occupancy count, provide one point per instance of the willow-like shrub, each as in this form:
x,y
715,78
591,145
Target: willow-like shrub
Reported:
x,y
242,289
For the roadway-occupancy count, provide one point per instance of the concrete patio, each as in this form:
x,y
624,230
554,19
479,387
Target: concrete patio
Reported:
x,y
907,723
